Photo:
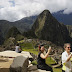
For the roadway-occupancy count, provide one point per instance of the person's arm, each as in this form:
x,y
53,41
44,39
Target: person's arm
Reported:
x,y
69,58
45,56
19,48
65,58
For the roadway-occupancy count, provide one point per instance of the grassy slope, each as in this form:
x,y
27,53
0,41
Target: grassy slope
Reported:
x,y
29,47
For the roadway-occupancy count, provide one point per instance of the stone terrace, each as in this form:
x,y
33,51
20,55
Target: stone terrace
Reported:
x,y
10,61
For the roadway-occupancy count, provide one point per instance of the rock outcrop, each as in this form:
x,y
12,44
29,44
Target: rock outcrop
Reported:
x,y
19,64
13,54
69,27
48,28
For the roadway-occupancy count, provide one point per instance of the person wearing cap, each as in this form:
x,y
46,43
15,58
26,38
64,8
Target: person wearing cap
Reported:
x,y
41,59
66,56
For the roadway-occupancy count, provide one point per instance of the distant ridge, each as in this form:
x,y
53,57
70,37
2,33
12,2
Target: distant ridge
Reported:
x,y
22,25
63,18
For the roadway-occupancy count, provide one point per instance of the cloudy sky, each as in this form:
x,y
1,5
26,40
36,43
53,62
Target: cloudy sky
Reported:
x,y
13,10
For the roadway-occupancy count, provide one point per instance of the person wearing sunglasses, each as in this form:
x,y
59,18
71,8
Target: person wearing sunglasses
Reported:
x,y
66,56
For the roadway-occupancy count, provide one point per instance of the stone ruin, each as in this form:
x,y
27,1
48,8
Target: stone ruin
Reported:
x,y
10,61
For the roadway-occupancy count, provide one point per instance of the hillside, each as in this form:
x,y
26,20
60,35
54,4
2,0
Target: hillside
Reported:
x,y
5,26
13,32
45,27
1,38
26,23
48,28
22,25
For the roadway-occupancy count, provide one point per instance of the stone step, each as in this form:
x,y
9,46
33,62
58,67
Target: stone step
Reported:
x,y
38,70
13,54
34,69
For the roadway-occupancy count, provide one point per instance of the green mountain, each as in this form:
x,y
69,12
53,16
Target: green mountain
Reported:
x,y
5,26
48,28
22,25
1,38
25,24
13,32
44,26
12,36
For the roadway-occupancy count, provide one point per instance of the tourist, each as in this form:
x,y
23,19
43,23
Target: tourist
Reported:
x,y
41,59
18,49
66,56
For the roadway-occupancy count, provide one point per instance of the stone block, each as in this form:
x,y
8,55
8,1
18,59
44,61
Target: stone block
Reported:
x,y
19,64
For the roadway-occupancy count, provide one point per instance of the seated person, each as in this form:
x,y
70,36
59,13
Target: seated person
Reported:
x,y
66,56
41,59
18,49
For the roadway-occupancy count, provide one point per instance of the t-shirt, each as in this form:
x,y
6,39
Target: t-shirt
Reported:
x,y
66,65
17,48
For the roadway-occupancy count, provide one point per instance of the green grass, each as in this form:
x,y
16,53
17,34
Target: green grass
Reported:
x,y
57,69
26,46
34,62
49,61
29,47
32,51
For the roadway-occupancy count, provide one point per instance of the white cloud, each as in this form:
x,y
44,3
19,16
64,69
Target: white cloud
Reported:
x,y
13,10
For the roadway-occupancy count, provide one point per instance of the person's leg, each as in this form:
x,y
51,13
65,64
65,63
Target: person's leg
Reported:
x,y
48,68
20,51
45,67
63,71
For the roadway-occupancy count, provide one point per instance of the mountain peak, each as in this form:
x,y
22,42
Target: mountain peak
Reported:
x,y
48,28
46,11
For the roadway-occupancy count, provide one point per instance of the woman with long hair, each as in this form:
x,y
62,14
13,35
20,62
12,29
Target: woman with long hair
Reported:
x,y
41,59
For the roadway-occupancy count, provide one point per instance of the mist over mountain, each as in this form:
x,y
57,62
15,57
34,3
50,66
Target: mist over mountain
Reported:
x,y
26,23
66,19
46,20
